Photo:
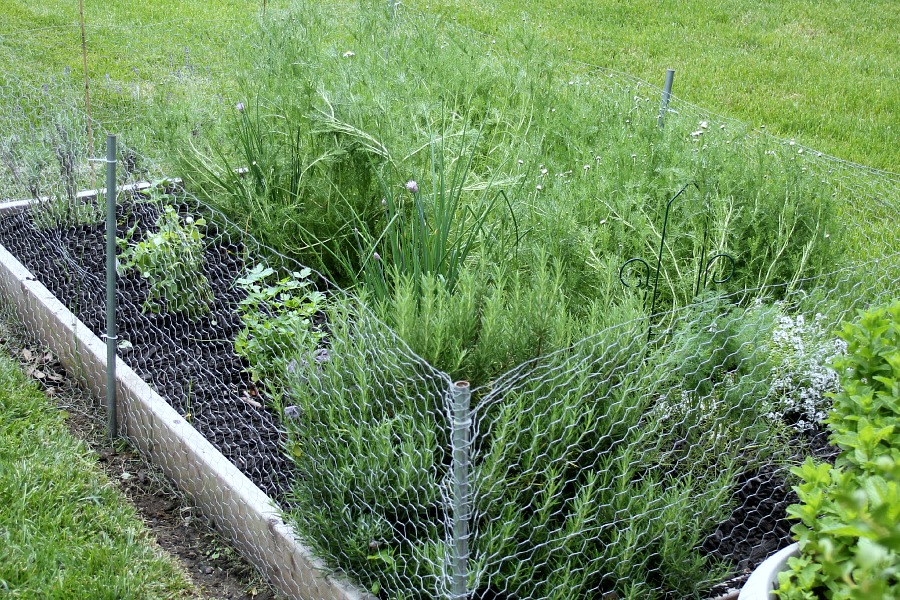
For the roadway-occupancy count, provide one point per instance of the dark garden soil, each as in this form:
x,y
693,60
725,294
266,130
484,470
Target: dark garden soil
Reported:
x,y
758,526
191,362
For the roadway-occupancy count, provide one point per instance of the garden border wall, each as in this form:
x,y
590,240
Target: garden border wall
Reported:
x,y
245,514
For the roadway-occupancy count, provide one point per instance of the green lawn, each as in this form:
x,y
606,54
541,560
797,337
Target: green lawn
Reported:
x,y
65,531
43,38
825,73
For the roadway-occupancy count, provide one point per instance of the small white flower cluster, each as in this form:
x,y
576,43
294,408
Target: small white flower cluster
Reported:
x,y
801,376
702,408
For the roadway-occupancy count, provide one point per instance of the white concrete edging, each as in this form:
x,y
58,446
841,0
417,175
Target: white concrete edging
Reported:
x,y
13,206
240,510
764,578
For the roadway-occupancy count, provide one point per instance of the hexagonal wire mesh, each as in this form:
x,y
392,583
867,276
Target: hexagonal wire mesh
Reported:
x,y
647,460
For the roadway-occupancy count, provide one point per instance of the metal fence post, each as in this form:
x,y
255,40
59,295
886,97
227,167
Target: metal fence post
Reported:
x,y
111,334
461,441
667,91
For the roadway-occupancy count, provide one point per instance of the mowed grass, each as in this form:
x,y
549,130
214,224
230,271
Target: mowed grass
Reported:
x,y
44,37
65,531
149,63
825,73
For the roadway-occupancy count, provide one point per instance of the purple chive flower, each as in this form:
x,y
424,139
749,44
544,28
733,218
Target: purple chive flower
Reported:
x,y
239,106
376,256
412,186
292,412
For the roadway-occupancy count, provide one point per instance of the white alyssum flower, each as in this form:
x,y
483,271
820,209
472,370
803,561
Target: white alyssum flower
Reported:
x,y
802,376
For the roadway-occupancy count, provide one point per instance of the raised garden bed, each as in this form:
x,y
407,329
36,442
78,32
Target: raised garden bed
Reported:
x,y
188,362
204,419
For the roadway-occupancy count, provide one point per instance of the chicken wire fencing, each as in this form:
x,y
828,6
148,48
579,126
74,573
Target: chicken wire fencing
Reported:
x,y
649,459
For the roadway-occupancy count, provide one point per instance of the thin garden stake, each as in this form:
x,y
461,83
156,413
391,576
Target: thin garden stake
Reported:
x,y
667,91
111,334
461,443
87,96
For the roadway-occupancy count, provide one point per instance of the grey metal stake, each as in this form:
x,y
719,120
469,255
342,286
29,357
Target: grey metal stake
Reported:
x,y
461,441
111,334
667,91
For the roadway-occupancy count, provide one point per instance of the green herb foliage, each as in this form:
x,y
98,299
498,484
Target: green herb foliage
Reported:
x,y
601,467
605,467
849,513
171,260
495,319
277,316
328,130
429,233
366,437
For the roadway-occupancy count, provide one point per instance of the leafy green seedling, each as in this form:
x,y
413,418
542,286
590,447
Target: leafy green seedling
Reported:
x,y
171,260
277,317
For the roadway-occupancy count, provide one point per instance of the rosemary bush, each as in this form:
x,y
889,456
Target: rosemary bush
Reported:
x,y
601,467
366,434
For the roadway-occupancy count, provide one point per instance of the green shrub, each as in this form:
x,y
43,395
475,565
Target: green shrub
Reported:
x,y
367,436
713,370
49,167
849,513
299,181
603,468
570,494
580,490
495,319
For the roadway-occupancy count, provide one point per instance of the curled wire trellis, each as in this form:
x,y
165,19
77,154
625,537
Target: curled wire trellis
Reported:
x,y
702,270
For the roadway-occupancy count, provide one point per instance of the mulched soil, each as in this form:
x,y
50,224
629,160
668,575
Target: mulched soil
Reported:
x,y
758,526
190,361
194,358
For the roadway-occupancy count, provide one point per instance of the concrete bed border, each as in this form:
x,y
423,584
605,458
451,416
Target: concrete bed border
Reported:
x,y
243,512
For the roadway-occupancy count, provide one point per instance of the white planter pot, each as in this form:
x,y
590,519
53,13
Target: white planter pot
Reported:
x,y
765,578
